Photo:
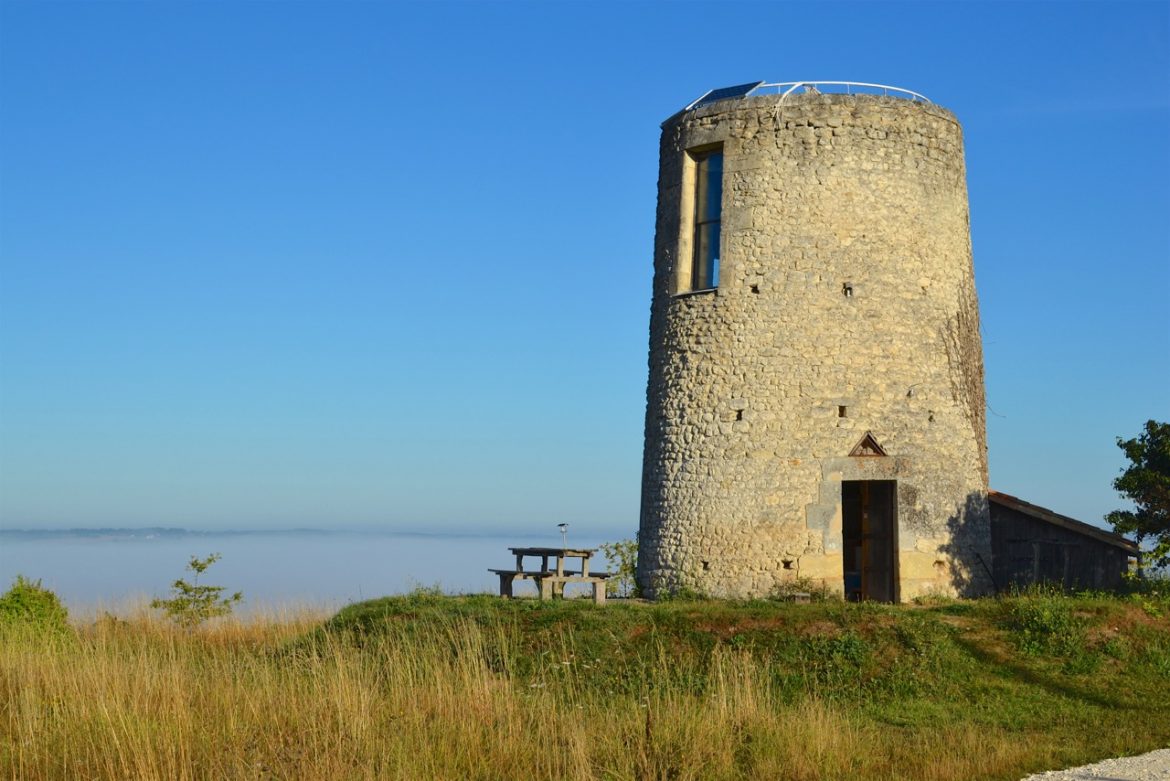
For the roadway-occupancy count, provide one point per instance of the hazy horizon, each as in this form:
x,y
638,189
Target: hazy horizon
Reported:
x,y
272,568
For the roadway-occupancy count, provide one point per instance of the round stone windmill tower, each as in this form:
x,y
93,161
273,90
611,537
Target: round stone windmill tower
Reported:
x,y
815,406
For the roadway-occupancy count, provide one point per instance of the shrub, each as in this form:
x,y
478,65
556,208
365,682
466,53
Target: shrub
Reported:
x,y
1150,591
193,603
29,603
623,560
1044,623
934,599
816,589
681,594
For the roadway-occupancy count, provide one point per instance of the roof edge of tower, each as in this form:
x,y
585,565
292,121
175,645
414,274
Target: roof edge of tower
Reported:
x,y
794,89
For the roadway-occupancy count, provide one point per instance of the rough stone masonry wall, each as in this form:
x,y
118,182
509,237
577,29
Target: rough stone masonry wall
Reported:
x,y
745,451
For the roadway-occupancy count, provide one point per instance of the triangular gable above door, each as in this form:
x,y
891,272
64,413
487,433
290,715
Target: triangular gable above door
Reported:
x,y
868,446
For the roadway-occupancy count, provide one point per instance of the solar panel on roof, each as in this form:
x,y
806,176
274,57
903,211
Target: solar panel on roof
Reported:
x,y
723,93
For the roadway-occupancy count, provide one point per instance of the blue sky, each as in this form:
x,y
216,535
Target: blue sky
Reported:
x,y
372,264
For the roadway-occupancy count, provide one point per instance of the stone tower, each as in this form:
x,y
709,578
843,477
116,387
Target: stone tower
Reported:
x,y
815,405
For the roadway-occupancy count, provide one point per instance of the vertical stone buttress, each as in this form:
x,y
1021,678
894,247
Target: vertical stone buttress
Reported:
x,y
846,304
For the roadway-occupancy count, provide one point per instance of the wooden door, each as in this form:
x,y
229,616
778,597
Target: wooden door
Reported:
x,y
869,532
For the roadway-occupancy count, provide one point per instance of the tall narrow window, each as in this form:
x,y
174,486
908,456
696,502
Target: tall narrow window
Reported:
x,y
708,202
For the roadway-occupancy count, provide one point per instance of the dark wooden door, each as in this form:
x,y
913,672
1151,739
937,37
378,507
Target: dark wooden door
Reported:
x,y
869,532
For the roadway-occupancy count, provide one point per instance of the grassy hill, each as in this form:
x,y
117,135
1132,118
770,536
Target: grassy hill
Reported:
x,y
429,686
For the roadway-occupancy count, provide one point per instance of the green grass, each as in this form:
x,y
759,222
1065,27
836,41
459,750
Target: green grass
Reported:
x,y
1081,677
427,686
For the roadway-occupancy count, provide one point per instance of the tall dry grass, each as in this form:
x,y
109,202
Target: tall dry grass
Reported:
x,y
140,699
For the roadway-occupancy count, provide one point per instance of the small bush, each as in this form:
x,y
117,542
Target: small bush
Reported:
x,y
1044,624
421,593
935,599
817,590
1151,592
623,560
28,603
682,594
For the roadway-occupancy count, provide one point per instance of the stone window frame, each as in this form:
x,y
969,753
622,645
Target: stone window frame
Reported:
x,y
688,223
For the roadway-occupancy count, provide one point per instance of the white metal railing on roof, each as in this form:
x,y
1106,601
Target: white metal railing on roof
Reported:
x,y
786,88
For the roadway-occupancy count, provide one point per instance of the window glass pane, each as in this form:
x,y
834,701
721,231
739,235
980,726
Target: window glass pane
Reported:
x,y
712,256
699,266
706,266
709,187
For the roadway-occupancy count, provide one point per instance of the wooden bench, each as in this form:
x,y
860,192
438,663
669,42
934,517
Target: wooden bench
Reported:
x,y
551,584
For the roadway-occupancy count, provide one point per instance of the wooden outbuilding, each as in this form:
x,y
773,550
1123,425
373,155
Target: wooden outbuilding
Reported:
x,y
1032,544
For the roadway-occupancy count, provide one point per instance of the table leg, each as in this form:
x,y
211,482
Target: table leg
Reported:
x,y
584,566
599,592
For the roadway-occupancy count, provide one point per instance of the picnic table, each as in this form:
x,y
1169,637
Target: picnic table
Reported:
x,y
550,581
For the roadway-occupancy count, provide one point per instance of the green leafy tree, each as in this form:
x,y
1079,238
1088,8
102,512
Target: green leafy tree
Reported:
x,y
1147,483
193,603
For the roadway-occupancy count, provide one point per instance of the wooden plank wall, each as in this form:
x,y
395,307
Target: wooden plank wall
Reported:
x,y
1026,550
